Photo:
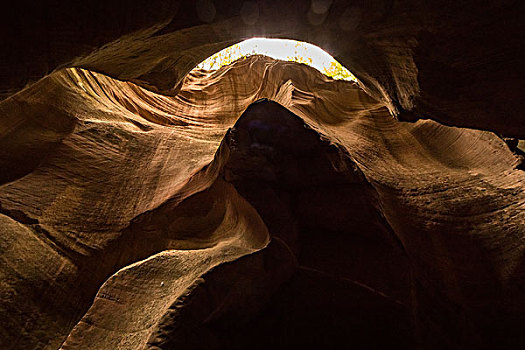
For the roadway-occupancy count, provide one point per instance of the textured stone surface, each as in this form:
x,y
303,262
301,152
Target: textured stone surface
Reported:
x,y
130,181
459,63
116,202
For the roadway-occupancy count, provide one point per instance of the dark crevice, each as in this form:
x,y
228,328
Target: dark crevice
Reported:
x,y
355,282
18,216
34,224
512,143
320,212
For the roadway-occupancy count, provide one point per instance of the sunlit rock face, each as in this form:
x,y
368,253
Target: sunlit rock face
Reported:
x,y
171,210
460,64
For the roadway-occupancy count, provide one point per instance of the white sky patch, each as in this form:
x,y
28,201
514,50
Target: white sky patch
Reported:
x,y
281,49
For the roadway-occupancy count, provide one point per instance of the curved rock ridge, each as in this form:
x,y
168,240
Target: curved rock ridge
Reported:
x,y
115,188
459,64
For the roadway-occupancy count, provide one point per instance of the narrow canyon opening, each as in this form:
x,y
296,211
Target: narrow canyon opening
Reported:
x,y
262,203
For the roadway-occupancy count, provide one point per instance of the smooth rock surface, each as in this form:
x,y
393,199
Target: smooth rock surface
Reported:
x,y
116,200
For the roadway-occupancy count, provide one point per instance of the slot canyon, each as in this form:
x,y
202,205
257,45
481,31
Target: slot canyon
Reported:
x,y
145,204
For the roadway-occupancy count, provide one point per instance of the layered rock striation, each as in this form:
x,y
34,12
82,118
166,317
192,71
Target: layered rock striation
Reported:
x,y
118,202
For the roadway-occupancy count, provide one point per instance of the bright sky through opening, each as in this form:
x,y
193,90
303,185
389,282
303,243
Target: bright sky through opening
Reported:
x,y
281,49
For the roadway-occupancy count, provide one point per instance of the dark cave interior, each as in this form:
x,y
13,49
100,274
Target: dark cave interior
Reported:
x,y
319,280
148,205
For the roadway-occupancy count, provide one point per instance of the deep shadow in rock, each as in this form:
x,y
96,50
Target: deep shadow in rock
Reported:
x,y
333,273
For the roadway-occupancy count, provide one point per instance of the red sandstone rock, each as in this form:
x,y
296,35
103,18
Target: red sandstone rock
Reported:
x,y
114,199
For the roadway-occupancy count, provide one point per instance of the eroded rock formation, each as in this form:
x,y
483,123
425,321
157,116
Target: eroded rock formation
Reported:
x,y
175,209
